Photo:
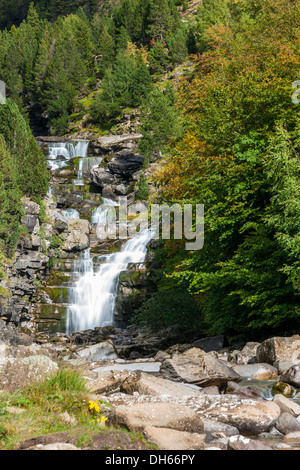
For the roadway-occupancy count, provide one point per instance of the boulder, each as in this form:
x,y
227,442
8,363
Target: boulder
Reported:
x,y
287,423
250,416
197,367
256,371
279,348
98,352
78,236
125,163
170,439
214,343
101,177
146,384
139,416
287,405
110,381
292,376
215,427
243,443
54,446
248,353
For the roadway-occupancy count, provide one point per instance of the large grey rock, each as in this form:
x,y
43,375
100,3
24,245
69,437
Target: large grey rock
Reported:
x,y
170,439
243,443
287,405
162,415
146,384
101,177
287,423
245,355
214,343
215,427
197,367
250,416
125,163
292,376
256,371
279,348
98,352
78,237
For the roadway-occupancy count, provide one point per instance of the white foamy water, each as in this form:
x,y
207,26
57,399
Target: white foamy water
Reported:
x,y
94,296
70,214
61,152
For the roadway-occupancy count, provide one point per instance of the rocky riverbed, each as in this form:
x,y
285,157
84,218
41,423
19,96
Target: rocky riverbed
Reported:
x,y
206,399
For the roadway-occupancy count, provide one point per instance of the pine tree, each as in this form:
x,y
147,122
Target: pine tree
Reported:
x,y
10,204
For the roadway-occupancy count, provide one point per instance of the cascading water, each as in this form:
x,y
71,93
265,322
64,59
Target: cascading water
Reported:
x,y
70,214
61,152
93,298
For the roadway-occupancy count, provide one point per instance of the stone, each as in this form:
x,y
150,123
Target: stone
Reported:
x,y
242,443
78,237
293,437
249,416
213,427
292,376
162,415
146,384
237,389
287,423
54,446
279,348
214,343
284,389
109,381
287,405
125,163
161,356
197,367
246,354
256,371
98,352
170,439
283,365
101,177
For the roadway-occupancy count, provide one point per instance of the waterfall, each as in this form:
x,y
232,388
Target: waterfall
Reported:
x,y
102,213
61,152
94,296
70,214
84,166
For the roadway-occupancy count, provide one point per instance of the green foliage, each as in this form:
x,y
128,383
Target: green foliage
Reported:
x,y
126,85
28,160
143,192
10,204
159,122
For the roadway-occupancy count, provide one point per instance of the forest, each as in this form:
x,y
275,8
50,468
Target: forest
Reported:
x,y
229,133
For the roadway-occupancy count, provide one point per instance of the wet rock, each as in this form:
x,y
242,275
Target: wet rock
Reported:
x,y
284,389
256,371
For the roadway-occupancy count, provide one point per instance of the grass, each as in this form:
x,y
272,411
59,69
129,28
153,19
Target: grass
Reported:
x,y
39,409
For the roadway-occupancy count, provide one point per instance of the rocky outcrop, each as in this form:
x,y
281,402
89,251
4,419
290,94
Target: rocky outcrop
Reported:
x,y
77,236
199,368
